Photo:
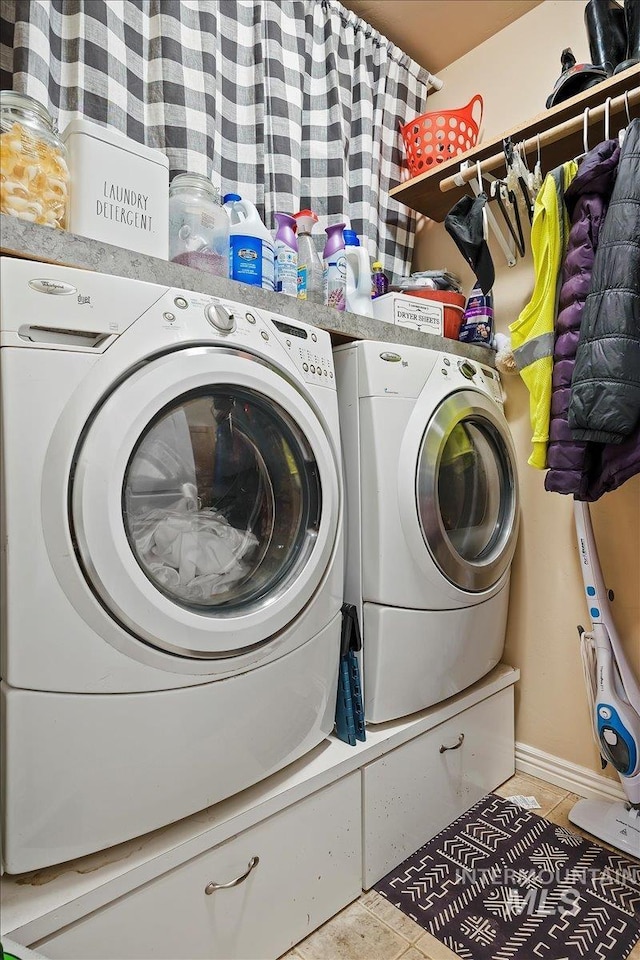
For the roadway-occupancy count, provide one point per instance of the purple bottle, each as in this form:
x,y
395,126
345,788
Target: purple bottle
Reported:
x,y
379,281
334,268
286,255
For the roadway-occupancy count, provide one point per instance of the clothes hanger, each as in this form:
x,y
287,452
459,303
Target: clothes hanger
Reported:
x,y
537,170
623,130
517,174
607,117
585,136
501,193
485,220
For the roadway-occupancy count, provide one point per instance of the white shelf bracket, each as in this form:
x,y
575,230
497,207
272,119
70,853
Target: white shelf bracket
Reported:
x,y
506,244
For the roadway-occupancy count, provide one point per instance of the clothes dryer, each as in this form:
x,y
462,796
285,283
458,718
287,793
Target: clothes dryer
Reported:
x,y
432,520
173,560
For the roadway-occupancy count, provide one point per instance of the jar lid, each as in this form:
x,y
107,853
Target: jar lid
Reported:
x,y
12,100
377,265
197,181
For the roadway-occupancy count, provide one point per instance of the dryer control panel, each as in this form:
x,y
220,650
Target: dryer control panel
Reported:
x,y
459,370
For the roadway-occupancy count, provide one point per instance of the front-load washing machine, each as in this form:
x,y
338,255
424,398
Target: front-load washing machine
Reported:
x,y
172,562
432,520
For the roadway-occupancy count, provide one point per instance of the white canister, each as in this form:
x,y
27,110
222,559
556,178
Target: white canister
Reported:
x,y
119,189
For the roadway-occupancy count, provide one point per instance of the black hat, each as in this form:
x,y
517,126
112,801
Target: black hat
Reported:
x,y
464,223
575,78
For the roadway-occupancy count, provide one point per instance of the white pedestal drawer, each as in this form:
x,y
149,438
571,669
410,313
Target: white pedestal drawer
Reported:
x,y
309,868
417,789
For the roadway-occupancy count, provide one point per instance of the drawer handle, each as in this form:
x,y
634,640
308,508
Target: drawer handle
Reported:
x,y
212,887
455,746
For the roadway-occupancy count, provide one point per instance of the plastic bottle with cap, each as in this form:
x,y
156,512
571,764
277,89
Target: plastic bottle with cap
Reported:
x,y
251,249
358,276
309,262
379,281
286,252
334,267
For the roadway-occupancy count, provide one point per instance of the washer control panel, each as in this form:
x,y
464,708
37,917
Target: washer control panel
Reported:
x,y
308,348
198,315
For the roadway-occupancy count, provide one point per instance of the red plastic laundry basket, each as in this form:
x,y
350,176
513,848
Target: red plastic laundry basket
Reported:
x,y
435,137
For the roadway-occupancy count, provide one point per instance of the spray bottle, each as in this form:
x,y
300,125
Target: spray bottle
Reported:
x,y
310,284
286,253
334,267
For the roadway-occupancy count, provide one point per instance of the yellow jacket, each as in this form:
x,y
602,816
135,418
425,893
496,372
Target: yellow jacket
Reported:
x,y
532,334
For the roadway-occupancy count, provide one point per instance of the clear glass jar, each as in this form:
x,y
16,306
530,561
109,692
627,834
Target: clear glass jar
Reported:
x,y
198,225
34,175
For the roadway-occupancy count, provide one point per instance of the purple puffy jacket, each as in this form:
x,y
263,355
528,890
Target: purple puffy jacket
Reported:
x,y
586,199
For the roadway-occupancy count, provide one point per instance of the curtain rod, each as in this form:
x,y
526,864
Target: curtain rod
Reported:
x,y
552,135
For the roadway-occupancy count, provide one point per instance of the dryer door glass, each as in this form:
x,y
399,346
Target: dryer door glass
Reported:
x,y
221,499
466,492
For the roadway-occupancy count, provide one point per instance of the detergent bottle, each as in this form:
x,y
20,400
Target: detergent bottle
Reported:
x,y
334,267
358,276
286,251
251,250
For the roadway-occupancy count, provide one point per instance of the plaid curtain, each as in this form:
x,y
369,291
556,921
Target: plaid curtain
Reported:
x,y
291,103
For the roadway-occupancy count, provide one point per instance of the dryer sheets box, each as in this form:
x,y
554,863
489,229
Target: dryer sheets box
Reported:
x,y
408,311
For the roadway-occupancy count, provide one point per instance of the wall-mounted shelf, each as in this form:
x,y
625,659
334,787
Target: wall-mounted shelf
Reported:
x,y
560,129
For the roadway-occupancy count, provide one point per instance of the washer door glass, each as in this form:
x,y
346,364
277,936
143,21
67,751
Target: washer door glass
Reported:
x,y
466,492
221,499
205,503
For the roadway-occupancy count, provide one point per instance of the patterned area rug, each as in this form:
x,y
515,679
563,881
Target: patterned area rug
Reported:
x,y
501,883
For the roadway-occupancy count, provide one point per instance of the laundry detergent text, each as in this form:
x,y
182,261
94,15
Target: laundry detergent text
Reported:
x,y
124,205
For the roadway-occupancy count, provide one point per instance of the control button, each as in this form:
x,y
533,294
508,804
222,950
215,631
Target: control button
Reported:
x,y
445,372
264,334
250,318
591,591
312,368
595,613
610,736
181,303
288,342
467,369
314,338
331,375
219,317
605,713
325,372
305,367
169,316
446,361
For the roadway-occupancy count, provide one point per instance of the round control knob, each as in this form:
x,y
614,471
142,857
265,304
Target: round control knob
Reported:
x,y
467,369
219,317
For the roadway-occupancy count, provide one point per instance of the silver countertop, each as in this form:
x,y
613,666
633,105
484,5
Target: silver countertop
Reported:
x,y
27,240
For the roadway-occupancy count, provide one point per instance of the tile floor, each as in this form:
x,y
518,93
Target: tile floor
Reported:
x,y
372,929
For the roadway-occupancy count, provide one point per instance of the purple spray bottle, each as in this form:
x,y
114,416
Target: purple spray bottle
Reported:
x,y
334,267
286,255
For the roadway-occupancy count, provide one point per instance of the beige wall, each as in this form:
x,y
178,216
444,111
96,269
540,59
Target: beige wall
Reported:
x,y
546,592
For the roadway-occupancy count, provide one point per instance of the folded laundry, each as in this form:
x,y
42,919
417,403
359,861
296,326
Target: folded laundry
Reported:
x,y
195,555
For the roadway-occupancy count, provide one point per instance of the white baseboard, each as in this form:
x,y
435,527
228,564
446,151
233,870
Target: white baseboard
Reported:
x,y
579,780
